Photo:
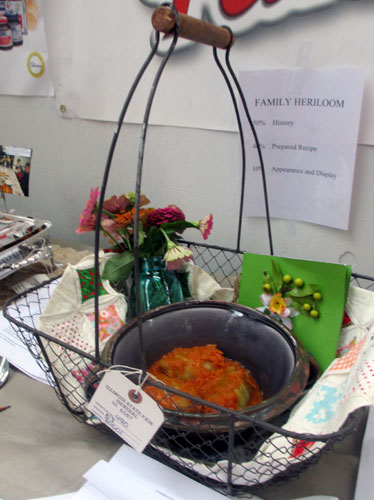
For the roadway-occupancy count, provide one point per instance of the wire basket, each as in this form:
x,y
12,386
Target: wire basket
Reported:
x,y
251,453
232,461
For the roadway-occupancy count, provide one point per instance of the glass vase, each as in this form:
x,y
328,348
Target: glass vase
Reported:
x,y
158,285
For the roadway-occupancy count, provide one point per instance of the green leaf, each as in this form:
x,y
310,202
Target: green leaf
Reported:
x,y
277,276
118,267
297,303
141,235
154,242
176,227
305,291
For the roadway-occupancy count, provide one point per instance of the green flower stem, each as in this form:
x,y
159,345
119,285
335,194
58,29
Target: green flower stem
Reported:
x,y
127,241
168,240
109,214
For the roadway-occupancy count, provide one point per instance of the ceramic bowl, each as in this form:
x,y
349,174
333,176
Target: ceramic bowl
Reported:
x,y
268,349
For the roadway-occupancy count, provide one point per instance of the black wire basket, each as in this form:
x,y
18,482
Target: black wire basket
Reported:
x,y
251,453
231,461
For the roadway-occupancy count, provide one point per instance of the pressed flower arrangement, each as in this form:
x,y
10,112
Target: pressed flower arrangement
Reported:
x,y
160,232
285,297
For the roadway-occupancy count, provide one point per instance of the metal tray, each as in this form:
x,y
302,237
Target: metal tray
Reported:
x,y
23,241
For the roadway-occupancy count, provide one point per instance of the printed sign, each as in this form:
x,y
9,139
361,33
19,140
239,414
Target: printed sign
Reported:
x,y
241,15
307,122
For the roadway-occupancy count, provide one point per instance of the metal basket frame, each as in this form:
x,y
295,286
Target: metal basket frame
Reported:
x,y
181,448
231,462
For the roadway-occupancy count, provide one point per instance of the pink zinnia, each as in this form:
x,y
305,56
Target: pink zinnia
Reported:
x,y
206,225
88,225
160,216
90,207
111,227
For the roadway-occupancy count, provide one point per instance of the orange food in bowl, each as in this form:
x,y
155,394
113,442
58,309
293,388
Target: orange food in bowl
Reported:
x,y
204,372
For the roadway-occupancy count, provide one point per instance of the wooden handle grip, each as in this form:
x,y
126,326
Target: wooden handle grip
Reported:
x,y
164,20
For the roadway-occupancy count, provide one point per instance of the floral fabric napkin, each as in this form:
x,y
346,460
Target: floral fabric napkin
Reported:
x,y
70,317
345,386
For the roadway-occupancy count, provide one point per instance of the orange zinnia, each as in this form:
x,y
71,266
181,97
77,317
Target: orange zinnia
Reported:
x,y
125,218
143,214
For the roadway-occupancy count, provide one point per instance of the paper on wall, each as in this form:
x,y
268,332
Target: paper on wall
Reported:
x,y
307,123
24,67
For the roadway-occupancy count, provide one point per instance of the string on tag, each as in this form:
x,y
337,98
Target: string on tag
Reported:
x,y
129,370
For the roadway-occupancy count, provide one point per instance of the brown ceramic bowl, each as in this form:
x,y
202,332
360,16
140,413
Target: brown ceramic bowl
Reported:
x,y
268,349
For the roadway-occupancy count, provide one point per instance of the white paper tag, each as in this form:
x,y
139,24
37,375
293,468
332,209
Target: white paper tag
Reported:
x,y
126,409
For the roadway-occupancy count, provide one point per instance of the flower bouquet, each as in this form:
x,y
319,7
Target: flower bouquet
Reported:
x,y
160,231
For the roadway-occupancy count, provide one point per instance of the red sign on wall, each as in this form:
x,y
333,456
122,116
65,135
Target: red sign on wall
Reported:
x,y
242,15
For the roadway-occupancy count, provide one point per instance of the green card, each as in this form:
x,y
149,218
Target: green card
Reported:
x,y
307,296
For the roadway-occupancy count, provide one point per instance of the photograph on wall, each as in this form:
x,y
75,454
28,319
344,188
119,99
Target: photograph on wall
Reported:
x,y
15,166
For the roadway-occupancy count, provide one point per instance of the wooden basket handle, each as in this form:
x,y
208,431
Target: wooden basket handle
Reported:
x,y
164,20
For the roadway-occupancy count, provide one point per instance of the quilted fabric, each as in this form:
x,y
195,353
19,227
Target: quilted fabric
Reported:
x,y
69,318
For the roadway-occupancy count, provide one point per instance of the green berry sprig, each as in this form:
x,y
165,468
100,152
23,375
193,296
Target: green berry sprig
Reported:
x,y
305,297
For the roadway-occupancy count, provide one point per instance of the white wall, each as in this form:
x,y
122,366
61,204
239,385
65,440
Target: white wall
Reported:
x,y
196,169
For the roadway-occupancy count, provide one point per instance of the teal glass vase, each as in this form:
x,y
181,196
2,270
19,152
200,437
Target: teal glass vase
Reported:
x,y
158,286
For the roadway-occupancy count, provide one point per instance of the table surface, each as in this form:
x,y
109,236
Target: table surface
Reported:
x,y
45,450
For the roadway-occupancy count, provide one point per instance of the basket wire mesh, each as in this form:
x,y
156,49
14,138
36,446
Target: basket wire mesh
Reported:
x,y
234,461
